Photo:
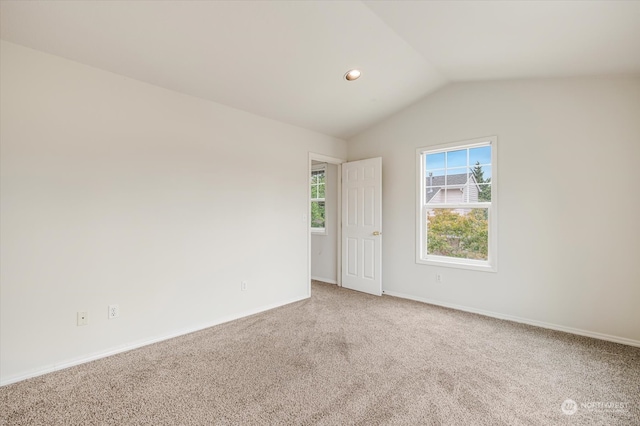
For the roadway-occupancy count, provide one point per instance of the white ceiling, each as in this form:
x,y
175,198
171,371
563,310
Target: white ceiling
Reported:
x,y
285,60
474,40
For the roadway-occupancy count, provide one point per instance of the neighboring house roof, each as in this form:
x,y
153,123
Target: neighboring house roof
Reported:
x,y
436,183
431,192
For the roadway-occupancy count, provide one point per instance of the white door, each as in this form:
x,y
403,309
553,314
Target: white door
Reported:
x,y
362,225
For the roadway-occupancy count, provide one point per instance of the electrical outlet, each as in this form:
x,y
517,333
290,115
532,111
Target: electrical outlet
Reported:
x,y
439,278
114,311
83,318
243,286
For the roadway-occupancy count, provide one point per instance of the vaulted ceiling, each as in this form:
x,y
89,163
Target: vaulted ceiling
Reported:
x,y
286,59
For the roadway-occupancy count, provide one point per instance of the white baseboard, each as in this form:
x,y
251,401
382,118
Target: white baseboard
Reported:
x,y
571,330
324,280
136,345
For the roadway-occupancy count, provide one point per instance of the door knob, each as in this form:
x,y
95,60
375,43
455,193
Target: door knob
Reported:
x,y
376,233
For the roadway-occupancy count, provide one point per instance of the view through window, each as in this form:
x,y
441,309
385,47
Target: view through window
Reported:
x,y
456,197
318,181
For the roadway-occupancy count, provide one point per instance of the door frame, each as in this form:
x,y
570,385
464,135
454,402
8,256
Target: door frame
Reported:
x,y
313,156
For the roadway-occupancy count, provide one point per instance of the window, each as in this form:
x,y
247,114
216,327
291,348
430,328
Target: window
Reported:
x,y
456,200
318,184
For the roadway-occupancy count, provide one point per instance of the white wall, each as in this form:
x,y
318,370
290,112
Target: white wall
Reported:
x,y
562,261
324,248
116,191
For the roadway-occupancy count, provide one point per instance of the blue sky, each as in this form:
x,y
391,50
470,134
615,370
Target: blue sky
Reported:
x,y
455,162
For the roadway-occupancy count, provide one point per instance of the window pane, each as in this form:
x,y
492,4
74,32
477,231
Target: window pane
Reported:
x,y
434,178
480,155
457,158
434,194
482,174
460,233
314,191
484,192
321,191
317,214
435,161
457,176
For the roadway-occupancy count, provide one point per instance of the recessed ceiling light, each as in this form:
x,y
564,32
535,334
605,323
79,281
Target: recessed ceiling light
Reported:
x,y
352,75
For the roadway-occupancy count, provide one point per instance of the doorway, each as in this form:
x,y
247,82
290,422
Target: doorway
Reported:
x,y
324,235
349,241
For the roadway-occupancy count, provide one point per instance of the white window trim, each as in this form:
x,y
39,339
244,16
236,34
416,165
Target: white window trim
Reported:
x,y
490,265
320,231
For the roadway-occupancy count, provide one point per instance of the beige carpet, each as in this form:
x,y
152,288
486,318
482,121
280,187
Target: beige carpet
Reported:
x,y
344,357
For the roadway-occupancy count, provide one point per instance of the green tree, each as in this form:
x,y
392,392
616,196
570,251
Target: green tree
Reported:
x,y
478,173
317,199
458,234
317,214
484,193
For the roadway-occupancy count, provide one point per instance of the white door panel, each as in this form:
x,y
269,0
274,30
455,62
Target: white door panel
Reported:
x,y
362,225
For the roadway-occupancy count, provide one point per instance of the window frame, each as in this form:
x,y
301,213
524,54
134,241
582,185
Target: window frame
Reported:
x,y
489,265
315,168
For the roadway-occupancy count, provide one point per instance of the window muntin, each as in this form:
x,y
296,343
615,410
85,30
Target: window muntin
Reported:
x,y
456,204
318,202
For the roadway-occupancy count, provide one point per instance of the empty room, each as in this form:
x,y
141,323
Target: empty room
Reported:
x,y
319,212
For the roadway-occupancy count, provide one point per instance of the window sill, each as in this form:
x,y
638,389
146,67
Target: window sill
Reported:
x,y
480,266
319,231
